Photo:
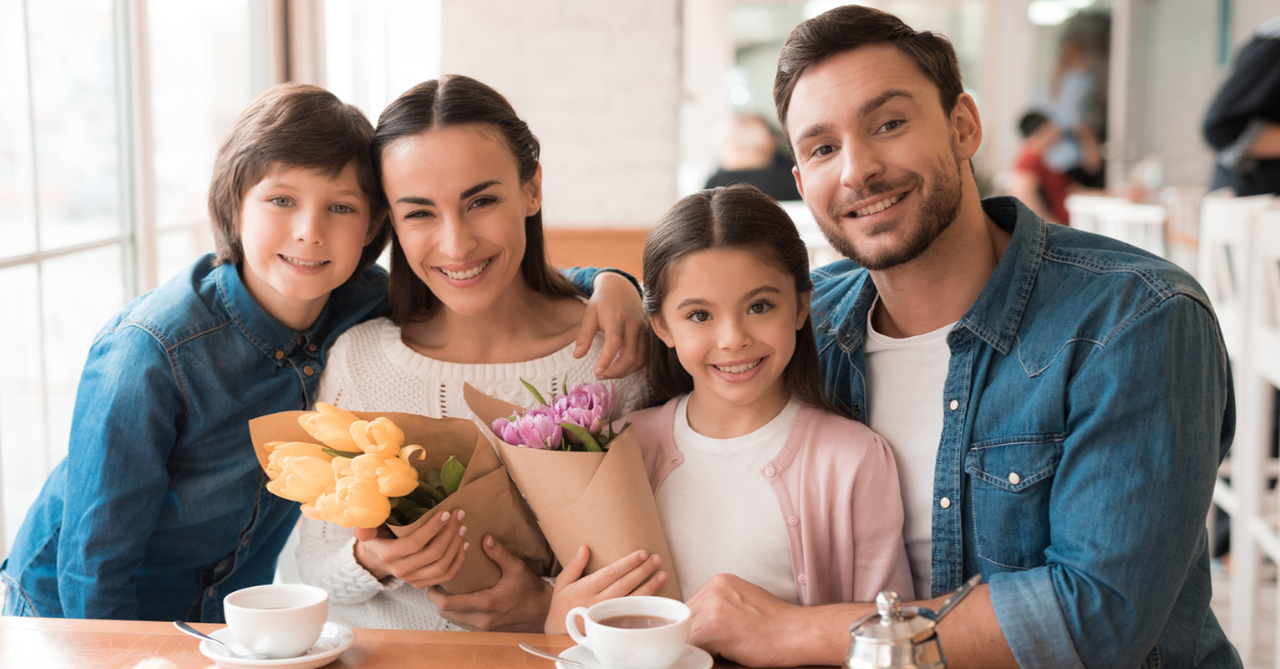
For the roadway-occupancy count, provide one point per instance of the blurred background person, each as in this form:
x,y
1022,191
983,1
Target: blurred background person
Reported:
x,y
1074,98
751,154
1032,180
1243,123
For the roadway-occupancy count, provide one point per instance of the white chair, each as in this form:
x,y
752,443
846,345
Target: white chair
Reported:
x,y
1141,225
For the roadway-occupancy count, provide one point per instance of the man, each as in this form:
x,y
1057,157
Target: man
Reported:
x,y
1243,123
1032,181
1058,402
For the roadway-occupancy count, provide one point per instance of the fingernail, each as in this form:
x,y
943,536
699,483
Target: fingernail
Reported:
x,y
462,530
460,514
642,554
582,550
466,545
444,516
488,541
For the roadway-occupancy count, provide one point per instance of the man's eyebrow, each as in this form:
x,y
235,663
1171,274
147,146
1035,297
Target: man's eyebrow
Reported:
x,y
866,109
427,202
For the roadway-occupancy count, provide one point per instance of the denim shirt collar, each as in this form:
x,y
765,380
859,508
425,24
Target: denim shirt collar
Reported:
x,y
995,316
276,340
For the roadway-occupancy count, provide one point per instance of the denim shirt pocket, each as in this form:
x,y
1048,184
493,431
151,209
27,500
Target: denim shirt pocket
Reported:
x,y
1010,481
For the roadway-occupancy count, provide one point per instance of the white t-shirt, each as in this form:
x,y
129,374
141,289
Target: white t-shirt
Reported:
x,y
720,514
905,382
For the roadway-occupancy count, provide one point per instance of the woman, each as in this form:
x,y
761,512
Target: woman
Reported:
x,y
473,300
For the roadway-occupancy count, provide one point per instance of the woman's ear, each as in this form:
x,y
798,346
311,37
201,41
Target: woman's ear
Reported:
x,y
802,307
660,328
533,192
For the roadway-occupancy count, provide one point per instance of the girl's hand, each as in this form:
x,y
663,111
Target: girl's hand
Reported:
x,y
628,576
614,308
430,555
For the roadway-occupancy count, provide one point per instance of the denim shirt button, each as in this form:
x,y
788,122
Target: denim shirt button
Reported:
x,y
279,355
1014,478
307,369
955,404
945,502
312,348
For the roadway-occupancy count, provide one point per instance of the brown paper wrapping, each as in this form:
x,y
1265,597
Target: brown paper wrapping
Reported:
x,y
493,505
602,500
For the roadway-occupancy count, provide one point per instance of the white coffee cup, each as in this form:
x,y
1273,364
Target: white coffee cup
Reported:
x,y
278,620
633,647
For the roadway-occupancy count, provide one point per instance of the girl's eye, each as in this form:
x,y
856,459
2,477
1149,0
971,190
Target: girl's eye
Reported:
x,y
891,126
280,201
343,209
699,316
759,307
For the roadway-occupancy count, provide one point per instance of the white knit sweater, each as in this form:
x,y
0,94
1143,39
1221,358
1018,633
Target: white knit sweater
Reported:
x,y
371,369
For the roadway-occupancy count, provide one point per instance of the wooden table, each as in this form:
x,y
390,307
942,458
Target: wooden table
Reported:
x,y
52,643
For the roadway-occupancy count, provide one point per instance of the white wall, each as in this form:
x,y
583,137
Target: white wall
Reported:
x,y
599,84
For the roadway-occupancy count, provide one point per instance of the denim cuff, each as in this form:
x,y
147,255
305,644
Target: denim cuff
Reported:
x,y
1026,606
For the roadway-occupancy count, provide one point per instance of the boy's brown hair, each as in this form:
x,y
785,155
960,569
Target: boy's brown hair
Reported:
x,y
292,125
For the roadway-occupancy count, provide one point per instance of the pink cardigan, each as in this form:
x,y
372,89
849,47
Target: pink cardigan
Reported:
x,y
837,486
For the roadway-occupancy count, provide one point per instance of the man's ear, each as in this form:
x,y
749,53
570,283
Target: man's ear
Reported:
x,y
660,328
795,172
802,312
966,126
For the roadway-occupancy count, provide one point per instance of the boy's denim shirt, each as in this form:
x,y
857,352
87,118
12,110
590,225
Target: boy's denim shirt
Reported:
x,y
1087,406
160,508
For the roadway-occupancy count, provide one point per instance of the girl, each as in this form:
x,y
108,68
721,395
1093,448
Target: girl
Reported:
x,y
742,437
473,300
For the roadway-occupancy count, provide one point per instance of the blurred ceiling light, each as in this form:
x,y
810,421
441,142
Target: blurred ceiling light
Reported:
x,y
739,96
1078,4
1047,12
813,8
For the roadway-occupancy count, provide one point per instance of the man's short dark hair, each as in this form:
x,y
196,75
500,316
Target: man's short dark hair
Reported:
x,y
1031,122
851,26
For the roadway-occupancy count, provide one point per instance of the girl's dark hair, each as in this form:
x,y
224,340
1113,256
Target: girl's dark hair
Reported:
x,y
736,217
451,101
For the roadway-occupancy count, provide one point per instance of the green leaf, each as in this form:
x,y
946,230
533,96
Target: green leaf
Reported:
x,y
451,473
342,454
536,395
580,432
564,385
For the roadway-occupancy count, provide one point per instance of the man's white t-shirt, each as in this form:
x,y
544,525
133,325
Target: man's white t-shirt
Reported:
x,y
905,382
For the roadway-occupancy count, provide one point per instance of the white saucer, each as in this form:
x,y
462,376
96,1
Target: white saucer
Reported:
x,y
692,658
334,639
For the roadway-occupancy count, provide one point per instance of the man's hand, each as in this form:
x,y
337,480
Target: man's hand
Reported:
x,y
741,621
518,602
430,555
614,308
629,575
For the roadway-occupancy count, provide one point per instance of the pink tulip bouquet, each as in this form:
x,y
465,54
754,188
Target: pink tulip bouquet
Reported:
x,y
580,419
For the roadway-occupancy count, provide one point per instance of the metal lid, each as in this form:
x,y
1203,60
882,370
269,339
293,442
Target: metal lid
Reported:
x,y
893,621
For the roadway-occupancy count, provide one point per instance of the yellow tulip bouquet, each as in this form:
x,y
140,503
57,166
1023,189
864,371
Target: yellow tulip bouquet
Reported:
x,y
364,469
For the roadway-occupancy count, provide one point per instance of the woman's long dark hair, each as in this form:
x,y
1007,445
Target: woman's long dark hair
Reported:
x,y
455,100
736,217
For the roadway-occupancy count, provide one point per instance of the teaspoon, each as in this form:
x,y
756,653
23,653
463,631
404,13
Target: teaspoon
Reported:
x,y
201,635
554,658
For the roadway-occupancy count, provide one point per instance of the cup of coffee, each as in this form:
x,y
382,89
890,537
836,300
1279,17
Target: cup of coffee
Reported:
x,y
633,632
278,620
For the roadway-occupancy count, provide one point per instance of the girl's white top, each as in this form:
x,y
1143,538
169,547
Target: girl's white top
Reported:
x,y
720,514
371,369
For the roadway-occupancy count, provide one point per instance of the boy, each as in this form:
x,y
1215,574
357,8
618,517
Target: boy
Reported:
x,y
160,509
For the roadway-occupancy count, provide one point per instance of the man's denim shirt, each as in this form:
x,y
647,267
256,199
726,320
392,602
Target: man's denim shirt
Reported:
x,y
160,507
1087,406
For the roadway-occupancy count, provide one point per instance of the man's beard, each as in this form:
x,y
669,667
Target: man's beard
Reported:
x,y
938,211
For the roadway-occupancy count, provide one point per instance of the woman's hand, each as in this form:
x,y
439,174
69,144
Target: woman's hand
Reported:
x,y
430,555
614,308
516,603
629,575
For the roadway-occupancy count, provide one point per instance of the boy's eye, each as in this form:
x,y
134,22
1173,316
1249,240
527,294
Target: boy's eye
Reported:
x,y
280,201
759,307
699,316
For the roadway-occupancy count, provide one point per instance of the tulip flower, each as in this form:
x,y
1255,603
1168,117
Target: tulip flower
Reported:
x,y
331,426
302,477
280,452
396,478
535,428
379,437
361,503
